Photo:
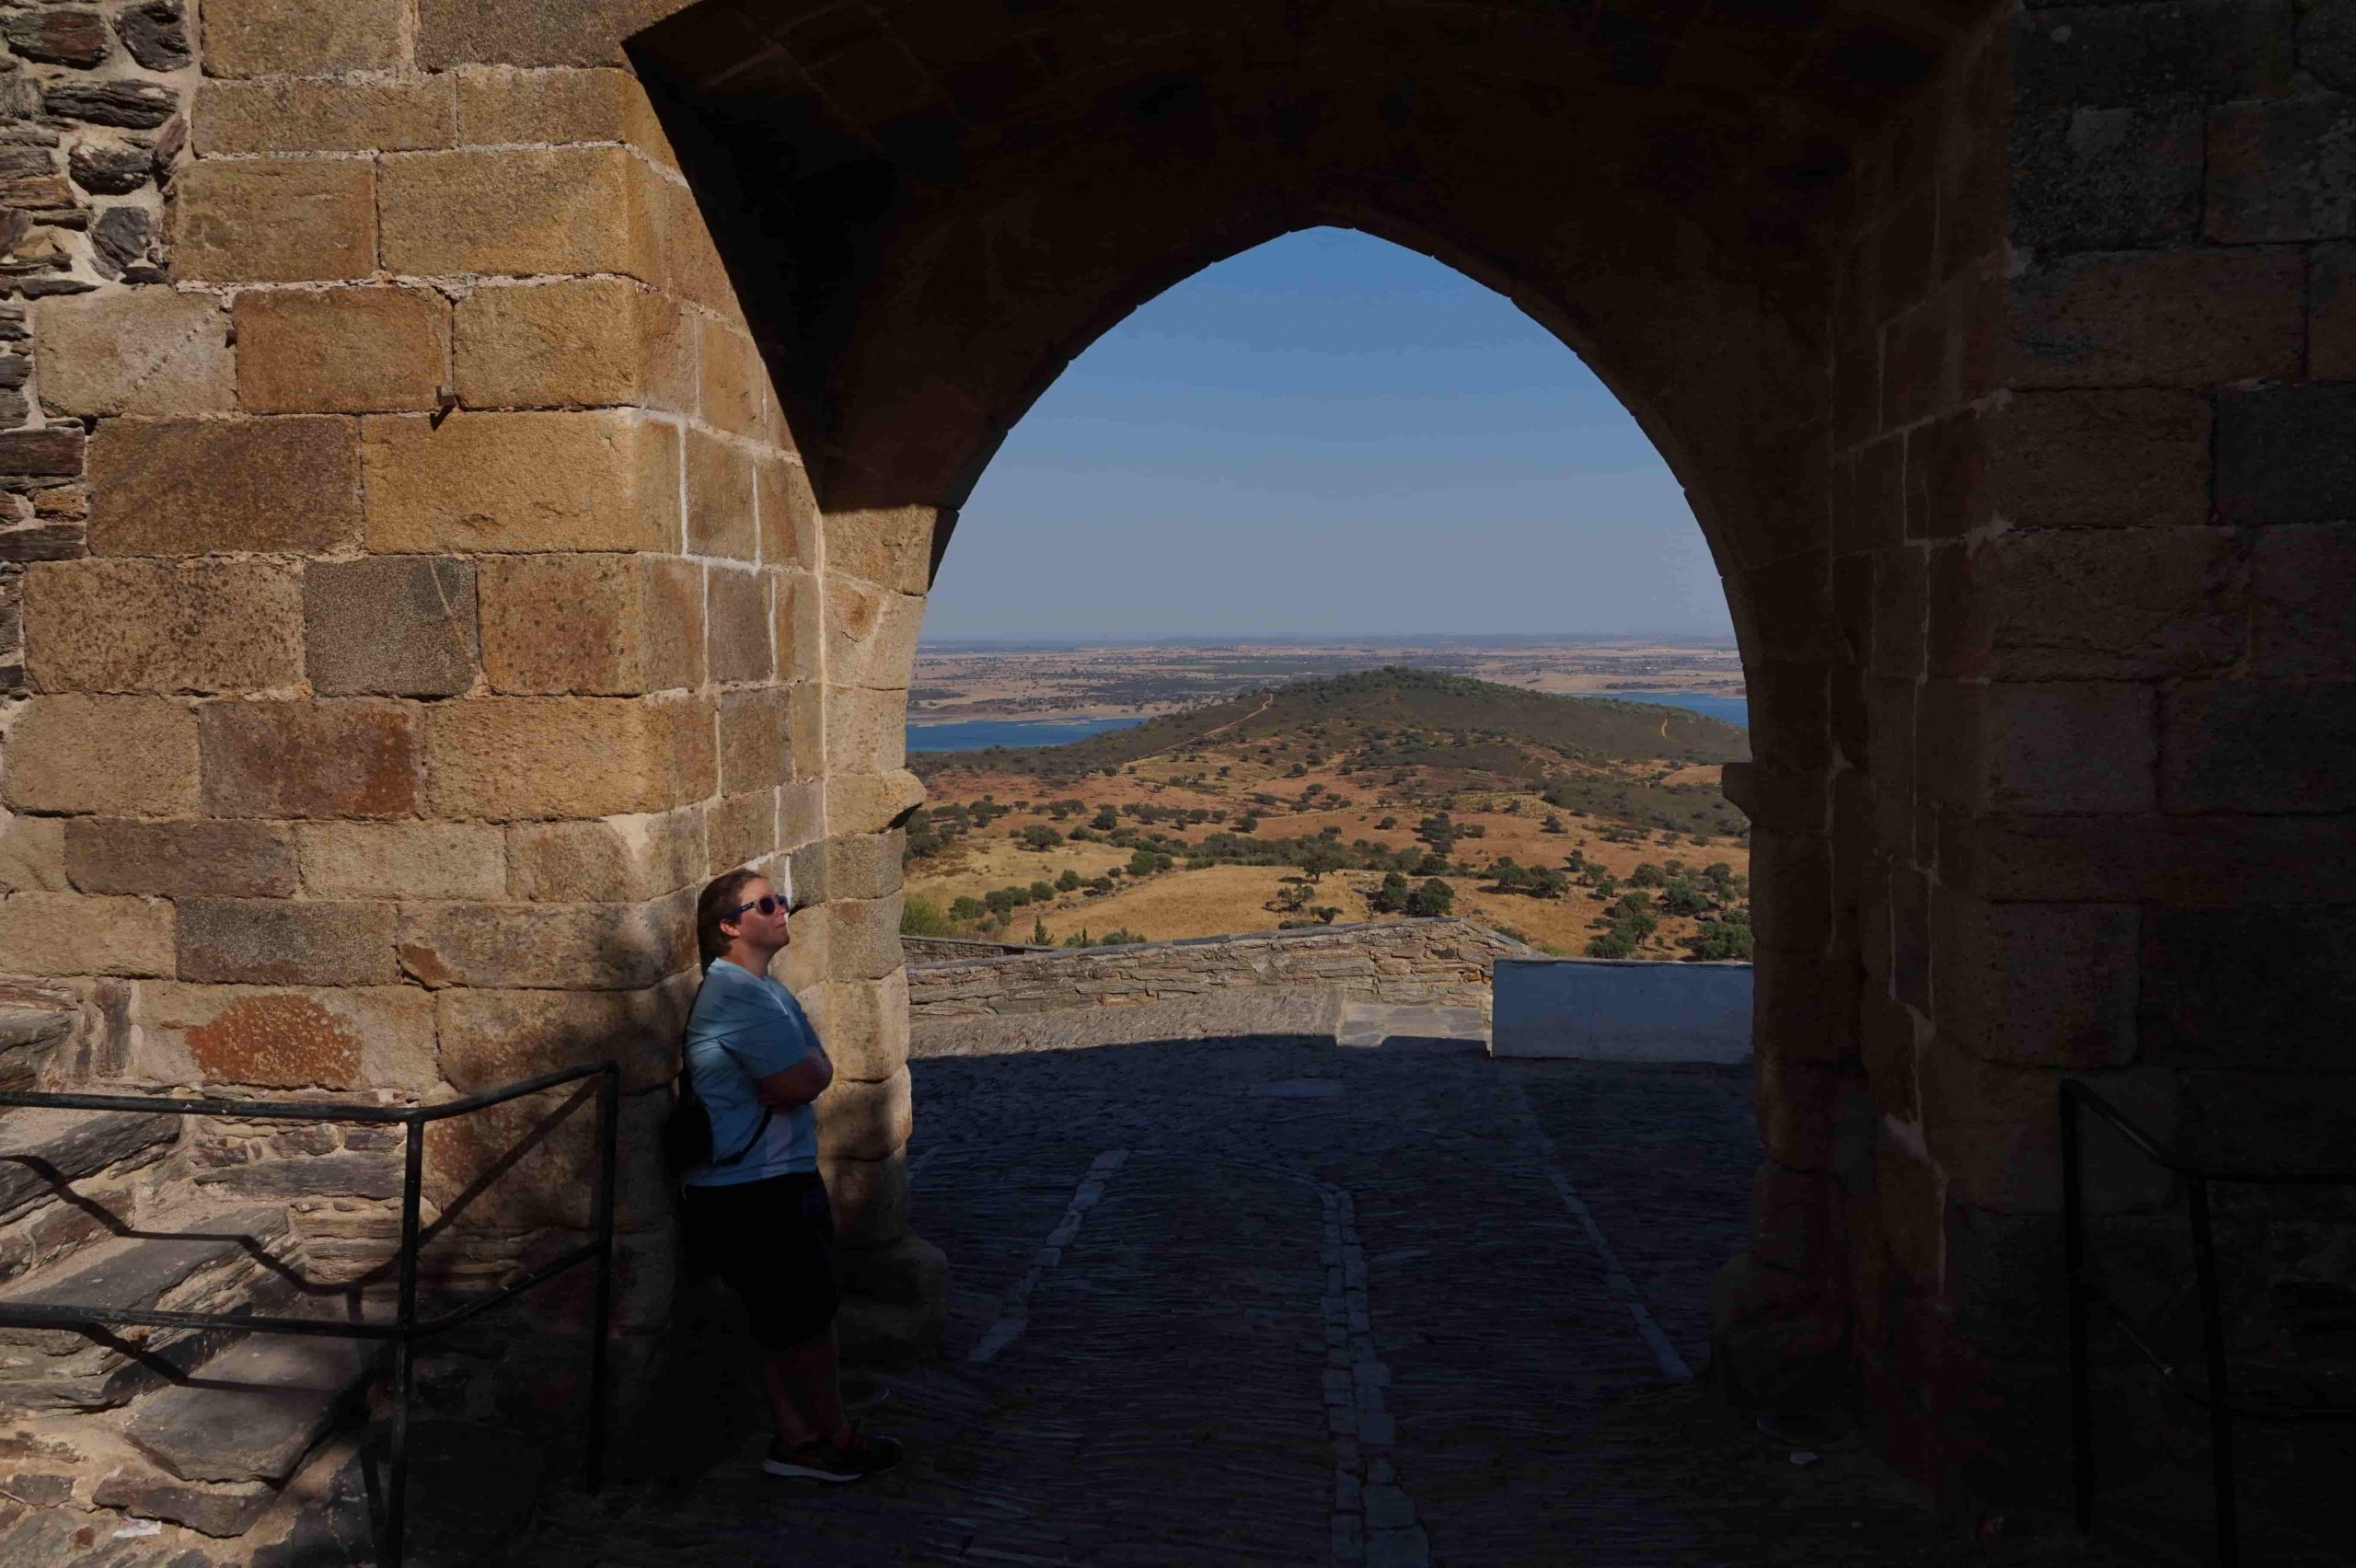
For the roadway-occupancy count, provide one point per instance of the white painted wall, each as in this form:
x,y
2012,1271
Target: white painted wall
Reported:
x,y
1609,1009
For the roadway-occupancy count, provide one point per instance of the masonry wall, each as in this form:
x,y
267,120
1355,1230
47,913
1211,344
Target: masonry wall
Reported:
x,y
2087,797
1409,963
412,594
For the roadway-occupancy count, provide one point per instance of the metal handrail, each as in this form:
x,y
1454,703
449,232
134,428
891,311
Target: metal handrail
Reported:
x,y
407,1327
2077,1098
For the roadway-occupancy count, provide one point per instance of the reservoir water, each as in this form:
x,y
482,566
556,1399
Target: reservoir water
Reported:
x,y
972,734
1733,709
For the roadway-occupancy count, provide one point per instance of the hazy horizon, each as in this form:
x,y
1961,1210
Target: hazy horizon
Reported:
x,y
1322,436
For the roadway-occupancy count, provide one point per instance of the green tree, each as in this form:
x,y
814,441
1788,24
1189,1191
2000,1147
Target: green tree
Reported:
x,y
920,917
1042,893
1433,897
1039,937
967,910
1105,820
1318,857
1391,897
1143,863
1069,881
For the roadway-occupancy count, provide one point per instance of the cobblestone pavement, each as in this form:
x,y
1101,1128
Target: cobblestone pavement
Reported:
x,y
1272,1301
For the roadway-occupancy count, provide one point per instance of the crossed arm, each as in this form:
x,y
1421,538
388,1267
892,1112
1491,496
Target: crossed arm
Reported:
x,y
799,1084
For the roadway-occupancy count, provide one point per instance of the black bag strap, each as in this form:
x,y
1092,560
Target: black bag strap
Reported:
x,y
687,1091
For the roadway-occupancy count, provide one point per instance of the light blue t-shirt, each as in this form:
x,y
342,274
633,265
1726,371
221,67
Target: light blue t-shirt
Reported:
x,y
744,1027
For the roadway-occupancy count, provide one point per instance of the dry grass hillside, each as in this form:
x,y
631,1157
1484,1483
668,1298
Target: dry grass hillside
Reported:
x,y
1580,825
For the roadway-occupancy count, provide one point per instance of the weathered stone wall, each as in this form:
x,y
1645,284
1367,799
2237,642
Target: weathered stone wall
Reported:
x,y
1422,962
418,594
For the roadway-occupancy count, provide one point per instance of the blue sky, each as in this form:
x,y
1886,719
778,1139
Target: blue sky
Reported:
x,y
1326,435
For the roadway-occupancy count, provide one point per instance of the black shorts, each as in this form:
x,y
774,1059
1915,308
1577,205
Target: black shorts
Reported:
x,y
773,1242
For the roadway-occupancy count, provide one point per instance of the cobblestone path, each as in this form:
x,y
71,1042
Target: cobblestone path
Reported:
x,y
1274,1300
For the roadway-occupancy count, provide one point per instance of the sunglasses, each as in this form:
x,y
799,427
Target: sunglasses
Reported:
x,y
767,903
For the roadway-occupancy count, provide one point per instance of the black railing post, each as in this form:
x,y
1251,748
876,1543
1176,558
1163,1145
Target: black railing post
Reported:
x,y
2074,1265
2212,1334
397,1476
609,1096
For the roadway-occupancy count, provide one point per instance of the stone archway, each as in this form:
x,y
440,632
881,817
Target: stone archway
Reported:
x,y
2003,359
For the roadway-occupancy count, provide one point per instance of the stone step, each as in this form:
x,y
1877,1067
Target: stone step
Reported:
x,y
252,1411
34,1020
214,1264
41,1150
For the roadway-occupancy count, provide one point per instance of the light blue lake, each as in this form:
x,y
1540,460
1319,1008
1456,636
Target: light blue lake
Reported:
x,y
972,734
1733,709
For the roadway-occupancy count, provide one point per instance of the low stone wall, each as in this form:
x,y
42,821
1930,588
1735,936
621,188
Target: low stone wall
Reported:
x,y
951,950
1418,962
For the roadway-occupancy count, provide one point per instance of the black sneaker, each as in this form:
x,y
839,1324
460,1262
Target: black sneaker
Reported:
x,y
856,1458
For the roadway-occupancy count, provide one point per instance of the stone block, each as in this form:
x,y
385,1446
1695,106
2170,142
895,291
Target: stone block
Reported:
x,y
302,38
736,384
739,830
530,757
163,626
790,513
134,352
459,33
741,645
601,625
523,1165
2331,313
516,212
131,855
274,220
2193,862
861,937
1791,888
520,483
491,1038
1994,1131
342,350
721,520
755,745
855,866
2113,604
580,341
499,108
860,1120
339,1037
2091,748
2286,454
2303,621
609,947
798,813
2263,987
346,757
2131,54
870,1197
799,605
279,942
196,486
32,855
869,804
863,1024
890,548
124,755
75,933
403,859
2111,178
313,115
2035,984
2282,170
2259,747
401,626
2165,318
2077,459
867,730
624,859
870,635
